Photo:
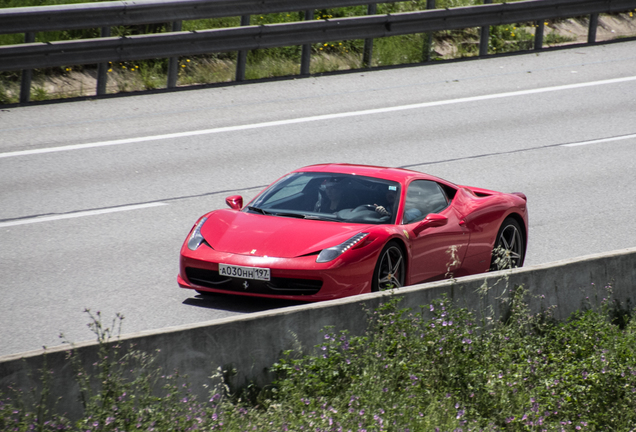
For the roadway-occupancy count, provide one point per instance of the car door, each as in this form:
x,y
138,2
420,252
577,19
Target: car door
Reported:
x,y
437,236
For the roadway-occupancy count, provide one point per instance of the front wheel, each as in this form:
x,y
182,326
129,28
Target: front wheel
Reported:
x,y
509,249
390,269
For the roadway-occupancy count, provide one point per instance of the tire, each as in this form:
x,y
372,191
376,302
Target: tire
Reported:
x,y
509,250
390,269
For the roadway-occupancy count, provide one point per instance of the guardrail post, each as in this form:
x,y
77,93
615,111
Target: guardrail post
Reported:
x,y
367,54
27,74
241,59
591,33
102,68
484,36
538,35
173,63
428,37
305,59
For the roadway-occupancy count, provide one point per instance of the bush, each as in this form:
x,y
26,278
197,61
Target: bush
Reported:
x,y
452,372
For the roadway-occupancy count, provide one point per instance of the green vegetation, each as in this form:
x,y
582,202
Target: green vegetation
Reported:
x,y
407,373
327,56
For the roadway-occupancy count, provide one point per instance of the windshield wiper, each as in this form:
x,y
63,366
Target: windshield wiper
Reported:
x,y
258,210
324,218
305,216
295,215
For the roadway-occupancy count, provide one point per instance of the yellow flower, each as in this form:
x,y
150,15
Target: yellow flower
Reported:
x,y
110,70
512,34
188,60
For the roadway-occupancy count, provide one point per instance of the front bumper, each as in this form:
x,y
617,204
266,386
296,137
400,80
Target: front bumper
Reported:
x,y
299,278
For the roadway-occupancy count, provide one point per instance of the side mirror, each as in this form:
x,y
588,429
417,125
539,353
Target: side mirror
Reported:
x,y
430,221
235,202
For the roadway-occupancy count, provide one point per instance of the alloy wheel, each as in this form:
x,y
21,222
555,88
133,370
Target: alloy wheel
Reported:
x,y
390,272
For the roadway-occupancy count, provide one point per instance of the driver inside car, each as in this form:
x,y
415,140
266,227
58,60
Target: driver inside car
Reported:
x,y
387,209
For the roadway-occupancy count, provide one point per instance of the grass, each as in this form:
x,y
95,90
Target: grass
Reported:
x,y
407,373
268,63
326,56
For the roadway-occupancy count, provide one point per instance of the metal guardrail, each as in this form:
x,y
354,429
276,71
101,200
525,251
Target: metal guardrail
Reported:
x,y
171,45
116,13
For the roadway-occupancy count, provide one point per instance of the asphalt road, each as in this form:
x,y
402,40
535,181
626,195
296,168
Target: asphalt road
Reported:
x,y
96,197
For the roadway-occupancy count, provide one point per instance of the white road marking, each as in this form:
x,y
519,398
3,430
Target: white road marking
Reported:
x,y
599,141
314,118
77,214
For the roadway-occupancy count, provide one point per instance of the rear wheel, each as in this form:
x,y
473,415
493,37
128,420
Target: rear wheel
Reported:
x,y
390,270
509,250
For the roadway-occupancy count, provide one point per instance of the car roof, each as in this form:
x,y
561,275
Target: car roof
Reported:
x,y
401,175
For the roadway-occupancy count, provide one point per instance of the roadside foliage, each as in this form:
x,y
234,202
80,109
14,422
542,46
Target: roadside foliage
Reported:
x,y
408,372
328,56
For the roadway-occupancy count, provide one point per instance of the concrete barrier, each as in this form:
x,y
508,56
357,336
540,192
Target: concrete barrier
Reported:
x,y
251,343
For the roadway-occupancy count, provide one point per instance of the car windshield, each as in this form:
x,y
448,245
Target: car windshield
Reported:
x,y
330,196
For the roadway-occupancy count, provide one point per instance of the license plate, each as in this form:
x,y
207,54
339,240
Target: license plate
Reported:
x,y
244,272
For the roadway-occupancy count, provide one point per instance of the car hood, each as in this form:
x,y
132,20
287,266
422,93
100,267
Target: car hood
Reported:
x,y
252,234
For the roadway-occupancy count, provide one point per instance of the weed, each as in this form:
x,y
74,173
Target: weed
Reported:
x,y
407,372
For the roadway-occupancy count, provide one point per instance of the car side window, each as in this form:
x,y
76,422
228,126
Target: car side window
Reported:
x,y
422,198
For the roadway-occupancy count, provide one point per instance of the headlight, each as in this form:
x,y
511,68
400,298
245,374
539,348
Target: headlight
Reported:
x,y
196,238
334,252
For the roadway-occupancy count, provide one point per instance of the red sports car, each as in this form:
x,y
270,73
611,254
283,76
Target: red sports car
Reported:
x,y
336,230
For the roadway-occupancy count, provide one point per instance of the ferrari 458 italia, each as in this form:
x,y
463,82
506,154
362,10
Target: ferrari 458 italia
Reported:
x,y
334,230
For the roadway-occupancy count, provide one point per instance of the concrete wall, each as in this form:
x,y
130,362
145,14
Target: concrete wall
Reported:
x,y
252,343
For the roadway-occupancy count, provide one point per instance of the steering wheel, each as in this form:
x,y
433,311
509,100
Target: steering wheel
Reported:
x,y
370,207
